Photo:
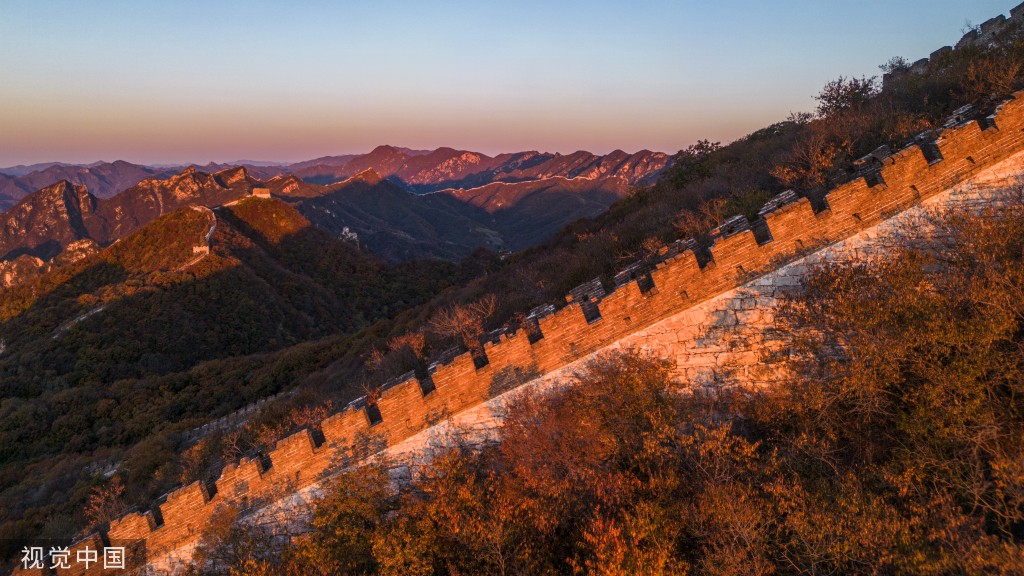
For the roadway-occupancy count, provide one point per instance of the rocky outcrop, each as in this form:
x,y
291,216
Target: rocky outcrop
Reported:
x,y
60,223
103,179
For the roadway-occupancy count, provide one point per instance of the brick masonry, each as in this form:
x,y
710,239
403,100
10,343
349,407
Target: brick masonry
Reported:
x,y
708,311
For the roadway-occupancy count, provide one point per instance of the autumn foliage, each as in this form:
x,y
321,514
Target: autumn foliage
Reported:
x,y
896,447
130,394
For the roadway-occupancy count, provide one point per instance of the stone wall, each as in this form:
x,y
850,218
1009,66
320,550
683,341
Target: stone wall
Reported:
x,y
733,337
648,306
981,35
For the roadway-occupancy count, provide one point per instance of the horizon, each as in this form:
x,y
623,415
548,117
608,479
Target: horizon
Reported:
x,y
286,84
268,162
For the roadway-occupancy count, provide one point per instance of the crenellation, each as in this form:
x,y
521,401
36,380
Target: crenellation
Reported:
x,y
296,461
985,34
515,349
684,276
457,383
795,226
342,428
426,384
968,39
1017,13
560,331
962,147
404,406
184,514
737,251
853,206
904,167
241,481
587,295
675,278
135,525
941,53
991,27
626,306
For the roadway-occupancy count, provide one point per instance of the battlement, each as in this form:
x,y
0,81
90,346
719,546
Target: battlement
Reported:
x,y
683,275
981,35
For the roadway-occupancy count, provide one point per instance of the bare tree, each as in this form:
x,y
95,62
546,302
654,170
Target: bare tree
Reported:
x,y
465,321
105,503
693,223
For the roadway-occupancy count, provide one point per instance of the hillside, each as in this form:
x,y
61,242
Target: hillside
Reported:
x,y
149,307
103,179
45,222
714,320
269,280
527,213
282,306
422,171
393,223
381,212
399,226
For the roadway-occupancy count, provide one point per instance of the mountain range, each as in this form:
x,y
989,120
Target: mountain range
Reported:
x,y
427,171
415,170
399,203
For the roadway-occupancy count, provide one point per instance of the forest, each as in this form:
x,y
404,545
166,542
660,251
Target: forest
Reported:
x,y
114,411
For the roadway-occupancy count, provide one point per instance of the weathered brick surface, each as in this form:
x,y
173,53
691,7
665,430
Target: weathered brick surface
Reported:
x,y
677,285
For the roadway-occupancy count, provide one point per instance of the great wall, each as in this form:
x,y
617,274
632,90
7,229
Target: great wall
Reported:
x,y
980,35
707,308
672,306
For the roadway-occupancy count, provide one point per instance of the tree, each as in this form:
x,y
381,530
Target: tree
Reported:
x,y
230,546
465,321
811,159
846,95
905,406
344,523
105,503
895,65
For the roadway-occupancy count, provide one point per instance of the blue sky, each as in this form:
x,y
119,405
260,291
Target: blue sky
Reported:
x,y
197,81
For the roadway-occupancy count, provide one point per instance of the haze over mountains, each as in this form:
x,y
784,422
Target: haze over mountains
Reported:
x,y
399,203
104,179
416,170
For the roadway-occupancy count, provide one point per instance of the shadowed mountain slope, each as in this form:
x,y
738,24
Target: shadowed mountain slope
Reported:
x,y
151,304
43,223
449,168
527,213
103,179
394,223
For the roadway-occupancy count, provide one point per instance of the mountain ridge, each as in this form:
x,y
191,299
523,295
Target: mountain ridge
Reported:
x,y
373,203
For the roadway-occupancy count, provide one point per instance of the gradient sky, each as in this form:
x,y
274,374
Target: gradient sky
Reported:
x,y
190,81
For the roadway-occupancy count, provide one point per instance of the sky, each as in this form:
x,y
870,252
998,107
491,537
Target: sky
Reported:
x,y
197,81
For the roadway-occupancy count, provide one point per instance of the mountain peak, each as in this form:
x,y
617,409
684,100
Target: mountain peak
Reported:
x,y
370,176
62,184
233,175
